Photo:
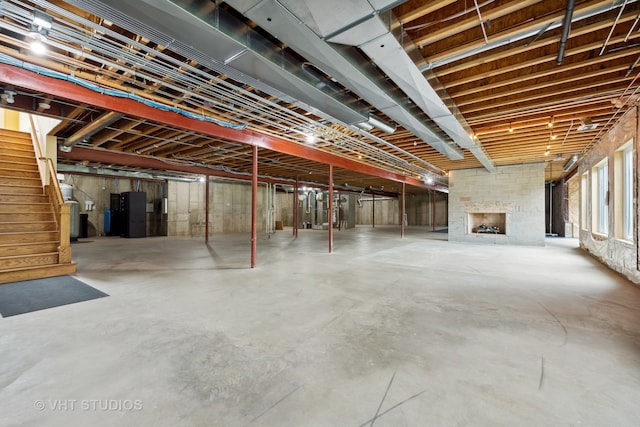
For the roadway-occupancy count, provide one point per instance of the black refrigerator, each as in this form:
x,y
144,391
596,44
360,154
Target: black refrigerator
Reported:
x,y
133,214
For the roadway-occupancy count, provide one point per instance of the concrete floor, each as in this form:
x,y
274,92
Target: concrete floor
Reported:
x,y
384,332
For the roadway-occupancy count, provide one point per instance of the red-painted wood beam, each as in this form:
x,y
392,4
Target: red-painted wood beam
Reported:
x,y
19,77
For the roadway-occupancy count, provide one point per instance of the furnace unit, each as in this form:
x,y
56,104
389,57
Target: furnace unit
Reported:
x,y
133,214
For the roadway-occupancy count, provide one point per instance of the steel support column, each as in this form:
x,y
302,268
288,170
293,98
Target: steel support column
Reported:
x,y
330,208
206,211
339,210
433,209
295,208
254,206
373,210
402,212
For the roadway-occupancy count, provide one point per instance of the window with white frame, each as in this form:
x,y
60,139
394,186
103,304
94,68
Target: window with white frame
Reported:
x,y
623,197
600,197
584,186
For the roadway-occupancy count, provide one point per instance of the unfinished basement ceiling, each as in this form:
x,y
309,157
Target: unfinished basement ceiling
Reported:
x,y
477,84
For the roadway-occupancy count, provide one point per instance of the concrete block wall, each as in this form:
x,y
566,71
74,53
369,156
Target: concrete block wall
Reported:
x,y
517,191
618,254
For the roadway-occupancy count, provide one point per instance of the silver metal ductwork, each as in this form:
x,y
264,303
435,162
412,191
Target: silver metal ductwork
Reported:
x,y
307,26
244,54
314,29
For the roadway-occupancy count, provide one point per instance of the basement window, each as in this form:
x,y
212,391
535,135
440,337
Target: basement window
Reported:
x,y
600,198
584,185
623,185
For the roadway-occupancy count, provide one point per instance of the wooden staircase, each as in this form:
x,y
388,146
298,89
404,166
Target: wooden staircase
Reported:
x,y
34,221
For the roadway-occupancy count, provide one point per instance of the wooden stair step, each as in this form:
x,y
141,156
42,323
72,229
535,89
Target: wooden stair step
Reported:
x,y
21,207
26,216
31,260
26,198
29,237
28,248
20,189
19,158
15,143
30,273
17,180
17,226
20,173
6,164
14,135
18,150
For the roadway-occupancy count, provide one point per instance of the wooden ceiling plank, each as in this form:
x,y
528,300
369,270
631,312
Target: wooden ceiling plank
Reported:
x,y
528,64
520,80
424,9
538,86
546,96
529,26
518,48
472,22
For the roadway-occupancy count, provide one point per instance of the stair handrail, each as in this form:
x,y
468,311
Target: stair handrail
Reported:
x,y
62,209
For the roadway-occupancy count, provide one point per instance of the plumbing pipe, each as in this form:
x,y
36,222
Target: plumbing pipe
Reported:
x,y
606,42
566,26
484,32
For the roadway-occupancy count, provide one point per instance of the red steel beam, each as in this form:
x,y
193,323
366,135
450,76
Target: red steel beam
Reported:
x,y
19,77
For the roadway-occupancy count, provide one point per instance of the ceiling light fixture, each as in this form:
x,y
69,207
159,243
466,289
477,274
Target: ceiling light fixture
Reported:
x,y
8,94
38,32
550,124
310,138
510,128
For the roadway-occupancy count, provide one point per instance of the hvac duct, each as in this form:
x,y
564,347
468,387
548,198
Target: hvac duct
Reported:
x,y
570,163
381,124
316,31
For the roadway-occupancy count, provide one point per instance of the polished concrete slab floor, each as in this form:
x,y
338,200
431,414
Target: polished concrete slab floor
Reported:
x,y
385,331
